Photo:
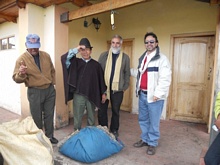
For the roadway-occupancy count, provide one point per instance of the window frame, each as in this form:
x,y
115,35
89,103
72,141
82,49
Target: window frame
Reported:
x,y
9,45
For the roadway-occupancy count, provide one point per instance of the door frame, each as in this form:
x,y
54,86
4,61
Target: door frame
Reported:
x,y
173,36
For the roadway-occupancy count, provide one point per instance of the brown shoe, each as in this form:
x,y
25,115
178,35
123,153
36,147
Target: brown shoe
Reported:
x,y
151,150
140,143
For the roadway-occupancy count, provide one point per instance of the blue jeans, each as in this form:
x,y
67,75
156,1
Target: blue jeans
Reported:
x,y
149,119
212,156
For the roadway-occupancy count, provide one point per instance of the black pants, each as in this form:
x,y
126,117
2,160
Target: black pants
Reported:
x,y
116,100
42,103
212,156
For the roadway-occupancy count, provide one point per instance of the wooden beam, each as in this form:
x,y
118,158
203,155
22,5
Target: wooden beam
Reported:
x,y
101,7
81,3
8,18
214,2
20,4
44,3
4,4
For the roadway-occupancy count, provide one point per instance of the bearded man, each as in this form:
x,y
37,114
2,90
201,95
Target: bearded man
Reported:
x,y
116,66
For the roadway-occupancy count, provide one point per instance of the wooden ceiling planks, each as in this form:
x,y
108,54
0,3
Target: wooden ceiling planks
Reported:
x,y
9,8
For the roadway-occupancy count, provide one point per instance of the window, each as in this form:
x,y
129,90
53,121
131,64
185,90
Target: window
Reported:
x,y
11,43
7,43
4,44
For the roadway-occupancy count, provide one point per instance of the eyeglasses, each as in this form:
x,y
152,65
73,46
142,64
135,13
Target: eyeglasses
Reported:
x,y
151,42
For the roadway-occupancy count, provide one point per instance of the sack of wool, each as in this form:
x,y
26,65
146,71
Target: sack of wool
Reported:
x,y
91,144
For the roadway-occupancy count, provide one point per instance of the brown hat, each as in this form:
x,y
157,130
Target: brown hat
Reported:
x,y
85,42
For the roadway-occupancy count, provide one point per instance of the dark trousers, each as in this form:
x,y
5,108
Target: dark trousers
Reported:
x,y
103,114
42,103
212,156
116,100
80,103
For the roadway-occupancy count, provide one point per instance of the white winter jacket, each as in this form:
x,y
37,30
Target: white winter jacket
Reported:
x,y
159,76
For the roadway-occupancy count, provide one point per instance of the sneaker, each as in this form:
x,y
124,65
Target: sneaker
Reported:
x,y
151,150
53,140
140,143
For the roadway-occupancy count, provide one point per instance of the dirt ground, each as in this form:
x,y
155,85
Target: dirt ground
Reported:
x,y
180,144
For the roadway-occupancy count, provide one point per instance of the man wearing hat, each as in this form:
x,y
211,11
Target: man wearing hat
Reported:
x,y
83,82
36,70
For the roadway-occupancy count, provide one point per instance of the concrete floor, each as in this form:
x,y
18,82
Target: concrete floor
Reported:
x,y
180,144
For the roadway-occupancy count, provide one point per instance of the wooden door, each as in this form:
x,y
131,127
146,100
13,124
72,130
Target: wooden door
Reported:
x,y
127,47
193,61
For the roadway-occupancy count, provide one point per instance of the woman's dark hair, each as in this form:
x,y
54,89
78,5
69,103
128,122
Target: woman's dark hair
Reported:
x,y
151,34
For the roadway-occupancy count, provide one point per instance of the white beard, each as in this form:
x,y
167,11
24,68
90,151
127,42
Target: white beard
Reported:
x,y
116,50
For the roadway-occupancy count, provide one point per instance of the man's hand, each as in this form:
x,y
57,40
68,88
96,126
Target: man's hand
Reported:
x,y
155,98
22,68
104,97
82,47
217,122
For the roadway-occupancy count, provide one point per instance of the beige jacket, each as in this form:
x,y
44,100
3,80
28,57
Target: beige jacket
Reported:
x,y
34,77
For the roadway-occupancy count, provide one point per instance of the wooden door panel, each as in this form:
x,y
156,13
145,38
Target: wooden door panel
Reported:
x,y
193,60
191,67
188,106
127,100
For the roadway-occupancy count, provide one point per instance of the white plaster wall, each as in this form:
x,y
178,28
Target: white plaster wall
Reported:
x,y
9,90
49,31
